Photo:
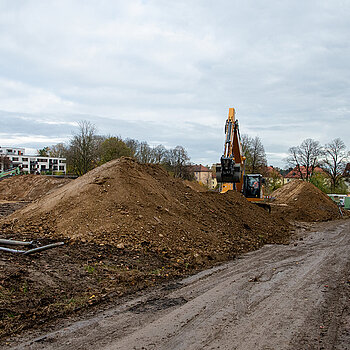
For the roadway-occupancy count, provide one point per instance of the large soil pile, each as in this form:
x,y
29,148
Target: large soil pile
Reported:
x,y
28,187
132,205
302,201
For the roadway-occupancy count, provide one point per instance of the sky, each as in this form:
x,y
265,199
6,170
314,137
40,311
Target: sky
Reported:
x,y
166,72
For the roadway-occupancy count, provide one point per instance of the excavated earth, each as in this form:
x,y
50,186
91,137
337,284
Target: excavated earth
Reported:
x,y
302,201
28,187
17,191
126,227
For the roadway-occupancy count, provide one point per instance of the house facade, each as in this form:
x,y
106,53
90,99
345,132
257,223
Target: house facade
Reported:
x,y
31,164
204,175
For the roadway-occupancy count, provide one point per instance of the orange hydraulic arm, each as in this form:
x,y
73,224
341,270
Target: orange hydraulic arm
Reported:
x,y
232,150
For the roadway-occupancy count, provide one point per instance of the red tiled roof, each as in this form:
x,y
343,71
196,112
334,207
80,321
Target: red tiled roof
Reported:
x,y
294,174
270,170
199,168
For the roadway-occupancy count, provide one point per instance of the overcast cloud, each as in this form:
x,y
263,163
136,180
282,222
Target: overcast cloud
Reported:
x,y
167,71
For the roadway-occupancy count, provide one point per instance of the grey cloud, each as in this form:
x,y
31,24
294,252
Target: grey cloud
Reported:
x,y
169,71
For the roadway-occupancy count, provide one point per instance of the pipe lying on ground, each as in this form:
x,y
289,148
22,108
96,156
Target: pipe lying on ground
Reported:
x,y
12,242
45,247
32,251
12,250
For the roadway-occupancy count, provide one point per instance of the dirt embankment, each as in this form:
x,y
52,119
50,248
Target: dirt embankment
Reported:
x,y
126,226
302,201
133,205
28,187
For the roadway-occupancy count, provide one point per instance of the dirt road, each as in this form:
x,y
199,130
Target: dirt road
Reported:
x,y
280,297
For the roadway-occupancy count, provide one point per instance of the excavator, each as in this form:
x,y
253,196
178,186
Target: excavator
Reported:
x,y
230,172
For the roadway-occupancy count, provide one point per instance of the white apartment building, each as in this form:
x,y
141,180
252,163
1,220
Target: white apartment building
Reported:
x,y
32,164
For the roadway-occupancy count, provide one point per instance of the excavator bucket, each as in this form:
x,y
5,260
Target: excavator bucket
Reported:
x,y
228,171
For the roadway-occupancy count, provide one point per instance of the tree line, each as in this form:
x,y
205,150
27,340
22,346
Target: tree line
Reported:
x,y
331,158
322,165
87,150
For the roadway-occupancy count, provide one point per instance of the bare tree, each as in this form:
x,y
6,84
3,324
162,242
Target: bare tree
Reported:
x,y
179,161
246,142
5,163
335,160
82,151
254,152
145,153
159,154
134,145
306,156
258,156
59,150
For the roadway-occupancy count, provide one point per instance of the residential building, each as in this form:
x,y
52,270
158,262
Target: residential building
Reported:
x,y
295,174
204,175
32,164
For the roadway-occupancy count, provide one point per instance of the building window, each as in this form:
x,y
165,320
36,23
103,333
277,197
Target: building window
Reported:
x,y
43,167
15,159
42,160
62,167
55,167
62,161
25,159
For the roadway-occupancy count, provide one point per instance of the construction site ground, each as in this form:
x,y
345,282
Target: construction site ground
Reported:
x,y
292,296
132,229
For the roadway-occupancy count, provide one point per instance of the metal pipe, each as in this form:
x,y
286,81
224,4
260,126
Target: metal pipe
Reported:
x,y
12,250
12,242
45,247
32,251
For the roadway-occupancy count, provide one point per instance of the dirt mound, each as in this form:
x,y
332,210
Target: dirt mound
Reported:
x,y
126,203
28,187
302,201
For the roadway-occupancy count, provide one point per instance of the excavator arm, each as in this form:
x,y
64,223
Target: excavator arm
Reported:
x,y
230,171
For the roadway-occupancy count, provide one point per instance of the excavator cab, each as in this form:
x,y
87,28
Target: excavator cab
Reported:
x,y
252,186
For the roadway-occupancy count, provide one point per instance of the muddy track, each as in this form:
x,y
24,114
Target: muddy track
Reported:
x,y
280,297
